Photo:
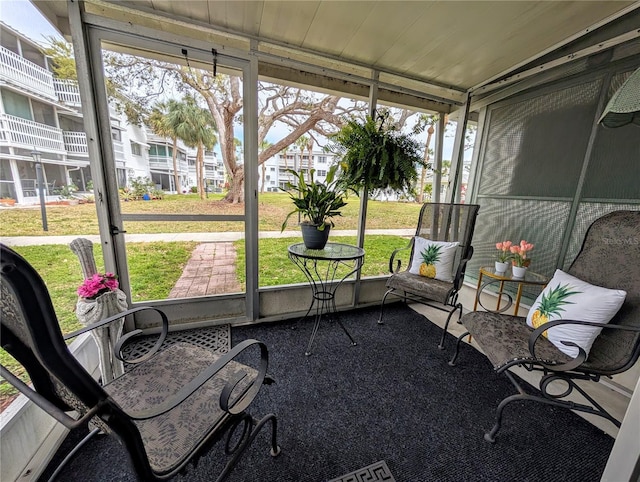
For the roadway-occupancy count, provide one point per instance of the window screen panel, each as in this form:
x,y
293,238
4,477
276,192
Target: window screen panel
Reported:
x,y
536,147
614,167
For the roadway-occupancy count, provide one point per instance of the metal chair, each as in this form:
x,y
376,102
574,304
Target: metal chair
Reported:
x,y
437,222
157,409
609,258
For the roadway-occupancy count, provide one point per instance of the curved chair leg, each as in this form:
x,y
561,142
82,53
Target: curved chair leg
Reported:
x,y
446,325
247,438
452,362
491,435
380,322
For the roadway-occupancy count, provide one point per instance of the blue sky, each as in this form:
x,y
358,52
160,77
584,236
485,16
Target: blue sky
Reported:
x,y
27,19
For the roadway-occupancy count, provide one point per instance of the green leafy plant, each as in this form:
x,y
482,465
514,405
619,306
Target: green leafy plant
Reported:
x,y
66,192
317,202
375,155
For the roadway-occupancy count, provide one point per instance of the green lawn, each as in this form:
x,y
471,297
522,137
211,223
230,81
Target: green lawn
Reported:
x,y
272,209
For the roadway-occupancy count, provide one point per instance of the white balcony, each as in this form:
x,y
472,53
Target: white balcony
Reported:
x,y
118,151
67,91
23,73
75,143
27,134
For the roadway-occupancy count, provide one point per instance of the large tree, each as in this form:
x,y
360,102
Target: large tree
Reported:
x,y
300,111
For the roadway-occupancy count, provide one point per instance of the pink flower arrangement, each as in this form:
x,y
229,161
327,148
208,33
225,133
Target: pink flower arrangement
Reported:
x,y
519,254
98,284
504,253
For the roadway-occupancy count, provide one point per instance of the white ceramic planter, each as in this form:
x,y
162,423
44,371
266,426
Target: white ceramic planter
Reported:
x,y
501,267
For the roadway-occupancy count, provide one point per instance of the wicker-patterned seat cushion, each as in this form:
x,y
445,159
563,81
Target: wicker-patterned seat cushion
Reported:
x,y
504,338
419,285
170,437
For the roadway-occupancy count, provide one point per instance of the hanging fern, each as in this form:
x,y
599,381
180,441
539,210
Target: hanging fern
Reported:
x,y
376,156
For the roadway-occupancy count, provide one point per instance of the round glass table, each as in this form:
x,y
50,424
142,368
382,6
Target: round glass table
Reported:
x,y
326,269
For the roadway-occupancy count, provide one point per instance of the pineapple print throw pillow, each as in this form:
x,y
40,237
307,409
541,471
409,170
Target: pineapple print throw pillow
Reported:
x,y
569,298
433,259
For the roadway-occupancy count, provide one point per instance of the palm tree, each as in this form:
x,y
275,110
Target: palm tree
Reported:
x,y
310,165
197,131
301,144
165,121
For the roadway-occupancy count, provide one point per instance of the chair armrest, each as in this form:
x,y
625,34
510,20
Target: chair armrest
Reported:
x,y
462,268
394,265
122,340
233,407
45,404
582,356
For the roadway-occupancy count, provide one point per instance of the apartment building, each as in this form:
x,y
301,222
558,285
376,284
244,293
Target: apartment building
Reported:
x,y
41,113
274,171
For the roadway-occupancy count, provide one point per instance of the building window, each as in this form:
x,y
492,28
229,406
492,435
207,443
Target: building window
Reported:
x,y
122,177
322,172
272,169
135,149
322,159
116,135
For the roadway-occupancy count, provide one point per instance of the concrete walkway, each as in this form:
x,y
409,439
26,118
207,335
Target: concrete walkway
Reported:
x,y
200,237
211,270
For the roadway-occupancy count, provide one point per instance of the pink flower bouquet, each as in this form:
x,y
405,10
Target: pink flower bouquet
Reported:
x,y
98,284
519,254
504,253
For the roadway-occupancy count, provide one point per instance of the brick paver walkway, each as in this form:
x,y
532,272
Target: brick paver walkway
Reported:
x,y
210,271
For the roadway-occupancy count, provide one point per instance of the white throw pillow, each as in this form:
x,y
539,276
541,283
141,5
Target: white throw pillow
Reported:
x,y
569,298
444,260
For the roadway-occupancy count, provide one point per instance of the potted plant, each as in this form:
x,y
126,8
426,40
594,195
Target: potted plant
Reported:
x,y
7,201
317,203
375,155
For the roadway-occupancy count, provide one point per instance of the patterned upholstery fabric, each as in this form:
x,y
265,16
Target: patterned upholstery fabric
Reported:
x,y
609,257
419,285
170,437
504,338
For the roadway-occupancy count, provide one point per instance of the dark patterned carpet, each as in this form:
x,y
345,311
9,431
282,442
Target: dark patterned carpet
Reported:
x,y
391,398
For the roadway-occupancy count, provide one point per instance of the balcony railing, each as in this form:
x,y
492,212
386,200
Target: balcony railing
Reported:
x,y
75,142
67,91
118,151
166,163
26,74
27,134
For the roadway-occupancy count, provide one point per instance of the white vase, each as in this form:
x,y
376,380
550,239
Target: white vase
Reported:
x,y
519,271
91,311
502,267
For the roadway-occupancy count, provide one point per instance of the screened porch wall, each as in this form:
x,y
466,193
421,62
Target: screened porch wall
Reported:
x,y
546,169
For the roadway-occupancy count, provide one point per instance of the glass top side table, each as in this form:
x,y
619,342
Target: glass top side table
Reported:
x,y
325,270
530,278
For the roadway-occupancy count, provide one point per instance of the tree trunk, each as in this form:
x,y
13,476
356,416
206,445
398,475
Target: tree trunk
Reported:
x,y
200,168
264,172
176,176
423,176
236,188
